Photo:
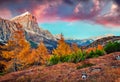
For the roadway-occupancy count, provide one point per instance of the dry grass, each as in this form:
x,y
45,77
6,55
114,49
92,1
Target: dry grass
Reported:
x,y
105,69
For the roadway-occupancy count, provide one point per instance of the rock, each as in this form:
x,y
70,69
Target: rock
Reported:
x,y
28,23
96,69
118,58
84,75
7,28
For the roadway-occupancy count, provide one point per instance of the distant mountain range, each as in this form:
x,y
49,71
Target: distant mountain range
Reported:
x,y
103,41
80,43
89,41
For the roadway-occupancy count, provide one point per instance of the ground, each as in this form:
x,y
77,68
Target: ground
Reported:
x,y
102,69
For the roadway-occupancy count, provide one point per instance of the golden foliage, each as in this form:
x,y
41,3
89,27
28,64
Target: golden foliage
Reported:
x,y
17,49
39,55
62,49
99,47
75,48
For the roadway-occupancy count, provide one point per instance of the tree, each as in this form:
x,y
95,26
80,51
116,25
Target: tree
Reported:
x,y
63,48
40,55
75,48
99,47
17,49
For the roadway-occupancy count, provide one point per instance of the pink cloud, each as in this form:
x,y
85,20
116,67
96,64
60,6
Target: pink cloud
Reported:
x,y
66,10
5,13
46,12
111,19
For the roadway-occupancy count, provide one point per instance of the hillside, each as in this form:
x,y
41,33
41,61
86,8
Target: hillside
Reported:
x,y
102,69
103,41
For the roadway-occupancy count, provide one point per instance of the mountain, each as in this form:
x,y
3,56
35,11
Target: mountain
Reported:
x,y
102,36
34,34
103,41
94,41
7,28
80,43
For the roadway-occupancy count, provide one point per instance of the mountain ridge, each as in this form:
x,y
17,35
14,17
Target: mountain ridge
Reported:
x,y
29,25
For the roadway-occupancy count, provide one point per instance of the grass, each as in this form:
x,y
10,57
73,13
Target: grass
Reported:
x,y
2,73
85,65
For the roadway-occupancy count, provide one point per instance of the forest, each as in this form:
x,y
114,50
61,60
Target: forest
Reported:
x,y
18,54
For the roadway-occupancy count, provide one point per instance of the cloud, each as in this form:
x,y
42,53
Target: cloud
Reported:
x,y
117,2
5,13
66,10
111,19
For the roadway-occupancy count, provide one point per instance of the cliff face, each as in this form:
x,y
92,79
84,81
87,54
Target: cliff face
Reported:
x,y
7,28
30,26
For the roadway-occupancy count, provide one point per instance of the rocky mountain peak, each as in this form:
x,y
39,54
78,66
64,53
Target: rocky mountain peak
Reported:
x,y
22,15
28,21
29,25
7,28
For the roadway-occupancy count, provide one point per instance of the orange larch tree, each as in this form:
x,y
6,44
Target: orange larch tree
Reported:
x,y
40,55
16,50
75,48
63,48
99,47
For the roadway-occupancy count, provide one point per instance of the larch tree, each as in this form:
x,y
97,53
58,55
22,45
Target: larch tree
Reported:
x,y
63,48
40,55
75,48
17,49
99,47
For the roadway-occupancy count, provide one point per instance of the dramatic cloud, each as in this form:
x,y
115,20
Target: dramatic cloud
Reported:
x,y
106,12
5,13
113,17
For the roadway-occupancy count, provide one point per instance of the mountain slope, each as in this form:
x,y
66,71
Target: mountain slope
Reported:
x,y
30,25
33,32
103,41
104,69
7,28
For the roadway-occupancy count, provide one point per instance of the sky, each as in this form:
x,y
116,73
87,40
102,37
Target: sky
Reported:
x,y
78,19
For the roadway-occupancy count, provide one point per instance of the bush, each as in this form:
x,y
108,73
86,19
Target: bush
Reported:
x,y
95,53
54,60
74,58
2,67
112,47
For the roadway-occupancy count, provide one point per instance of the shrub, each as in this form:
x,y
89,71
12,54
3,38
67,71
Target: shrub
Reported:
x,y
112,47
79,56
95,53
54,59
2,66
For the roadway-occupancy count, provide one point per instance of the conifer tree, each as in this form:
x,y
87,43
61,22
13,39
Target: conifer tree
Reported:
x,y
63,48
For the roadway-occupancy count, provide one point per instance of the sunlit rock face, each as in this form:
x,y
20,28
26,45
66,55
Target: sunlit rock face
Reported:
x,y
7,28
28,23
